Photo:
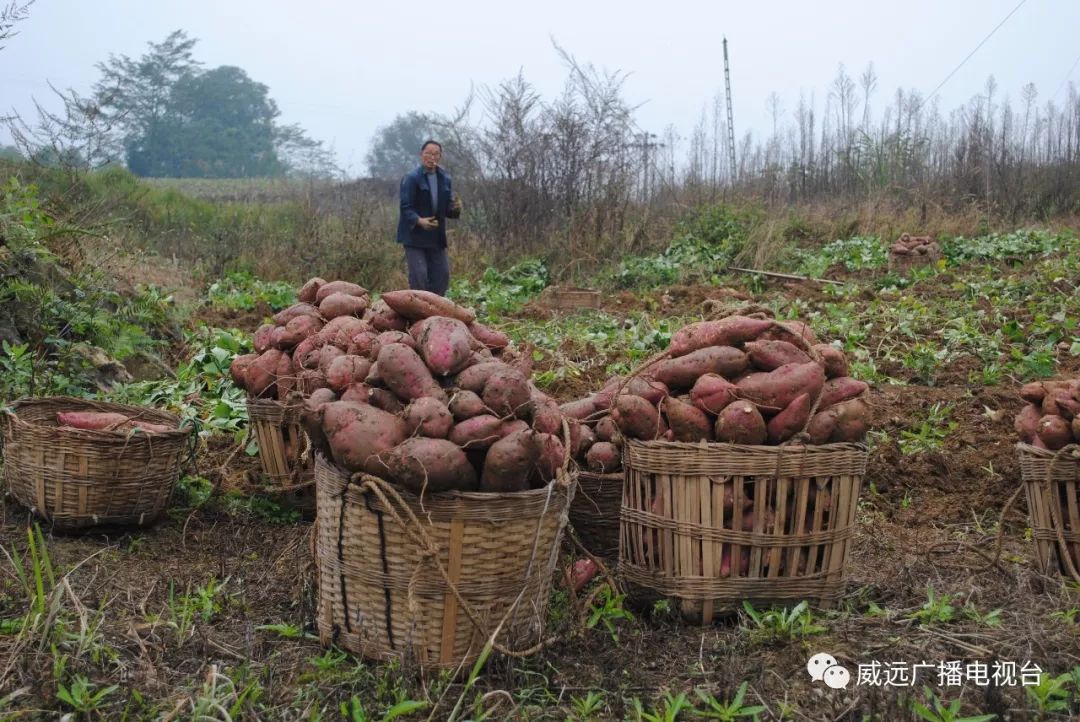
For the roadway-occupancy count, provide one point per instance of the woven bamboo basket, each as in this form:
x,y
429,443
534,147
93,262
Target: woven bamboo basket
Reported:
x,y
389,565
1051,480
77,478
904,263
678,522
594,513
282,442
566,298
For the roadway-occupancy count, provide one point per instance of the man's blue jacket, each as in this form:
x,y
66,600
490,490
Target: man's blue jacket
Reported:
x,y
416,204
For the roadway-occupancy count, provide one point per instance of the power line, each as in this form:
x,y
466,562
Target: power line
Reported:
x,y
1066,78
996,28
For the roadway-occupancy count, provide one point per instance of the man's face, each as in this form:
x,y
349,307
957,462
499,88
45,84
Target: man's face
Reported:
x,y
430,156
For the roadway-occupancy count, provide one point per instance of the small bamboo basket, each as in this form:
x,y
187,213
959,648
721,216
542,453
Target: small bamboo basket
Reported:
x,y
563,298
781,516
282,443
594,513
431,580
78,478
1051,480
900,263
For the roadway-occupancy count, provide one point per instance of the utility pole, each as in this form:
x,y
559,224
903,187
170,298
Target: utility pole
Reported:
x,y
730,115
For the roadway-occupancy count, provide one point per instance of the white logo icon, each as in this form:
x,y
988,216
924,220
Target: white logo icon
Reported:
x,y
823,667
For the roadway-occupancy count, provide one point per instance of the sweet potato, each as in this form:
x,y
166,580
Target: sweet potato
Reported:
x,y
605,397
580,574
384,399
1060,402
579,409
771,355
840,389
342,304
373,377
429,466
832,359
1033,392
550,455
1027,422
603,457
383,318
638,419
239,366
582,439
466,404
404,373
512,426
358,392
320,397
305,355
686,421
607,430
261,341
489,337
327,354
1076,429
774,391
295,331
345,371
340,331
428,417
509,462
328,289
474,377
284,378
444,344
388,337
545,416
649,389
358,433
415,305
791,420
795,332
741,423
262,373
362,344
92,420
310,380
852,421
310,289
477,432
712,393
730,331
822,426
294,311
1054,432
682,372
506,393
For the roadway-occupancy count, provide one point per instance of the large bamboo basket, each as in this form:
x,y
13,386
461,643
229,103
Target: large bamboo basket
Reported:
x,y
566,298
594,513
677,525
282,443
78,478
389,565
1051,480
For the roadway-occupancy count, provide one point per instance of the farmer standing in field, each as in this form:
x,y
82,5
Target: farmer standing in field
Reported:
x,y
426,203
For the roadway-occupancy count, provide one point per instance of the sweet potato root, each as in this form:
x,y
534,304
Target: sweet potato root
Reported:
x,y
775,390
342,304
428,417
404,373
489,337
741,423
686,421
712,393
310,289
384,318
791,420
833,360
771,355
682,372
358,433
444,344
428,466
638,419
415,305
603,457
509,462
730,331
328,289
506,393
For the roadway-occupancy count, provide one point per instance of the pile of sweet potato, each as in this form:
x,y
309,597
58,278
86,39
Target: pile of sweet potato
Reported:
x,y
741,380
1051,418
107,421
908,245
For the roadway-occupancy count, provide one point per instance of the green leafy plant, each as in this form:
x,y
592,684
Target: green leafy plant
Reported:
x,y
939,711
936,609
1051,694
587,708
929,434
82,695
728,711
671,706
779,624
607,610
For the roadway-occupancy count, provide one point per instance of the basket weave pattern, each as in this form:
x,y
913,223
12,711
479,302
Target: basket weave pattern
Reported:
x,y
682,501
78,478
594,513
281,444
1051,480
380,594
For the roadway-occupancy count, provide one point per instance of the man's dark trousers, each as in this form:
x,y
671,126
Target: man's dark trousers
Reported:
x,y
429,269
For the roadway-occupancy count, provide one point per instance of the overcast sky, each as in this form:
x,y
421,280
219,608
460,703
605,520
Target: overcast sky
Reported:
x,y
340,69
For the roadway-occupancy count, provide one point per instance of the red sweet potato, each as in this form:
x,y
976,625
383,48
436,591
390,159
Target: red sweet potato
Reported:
x,y
444,344
1060,402
649,389
239,366
310,380
342,304
428,417
774,391
741,423
512,426
582,439
344,371
795,332
489,337
373,378
340,331
429,466
506,393
477,432
730,331
262,373
362,344
607,430
840,389
384,399
1076,429
415,305
791,420
580,574
1054,432
466,404
681,373
546,416
1027,422
284,377
357,392
832,359
605,397
294,311
474,377
686,421
305,355
579,409
638,419
771,355
310,289
295,331
404,373
603,457
852,421
509,462
261,341
358,433
550,455
92,420
328,289
383,318
822,426
327,354
712,393
388,337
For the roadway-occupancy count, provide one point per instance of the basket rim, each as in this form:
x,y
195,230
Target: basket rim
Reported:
x,y
249,402
12,413
726,446
1070,452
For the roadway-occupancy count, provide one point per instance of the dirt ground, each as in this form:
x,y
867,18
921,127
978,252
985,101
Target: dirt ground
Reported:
x,y
926,521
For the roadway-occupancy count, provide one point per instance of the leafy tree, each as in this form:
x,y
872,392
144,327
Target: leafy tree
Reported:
x,y
395,149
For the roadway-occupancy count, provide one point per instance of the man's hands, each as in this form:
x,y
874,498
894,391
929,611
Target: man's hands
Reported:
x,y
428,223
455,205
